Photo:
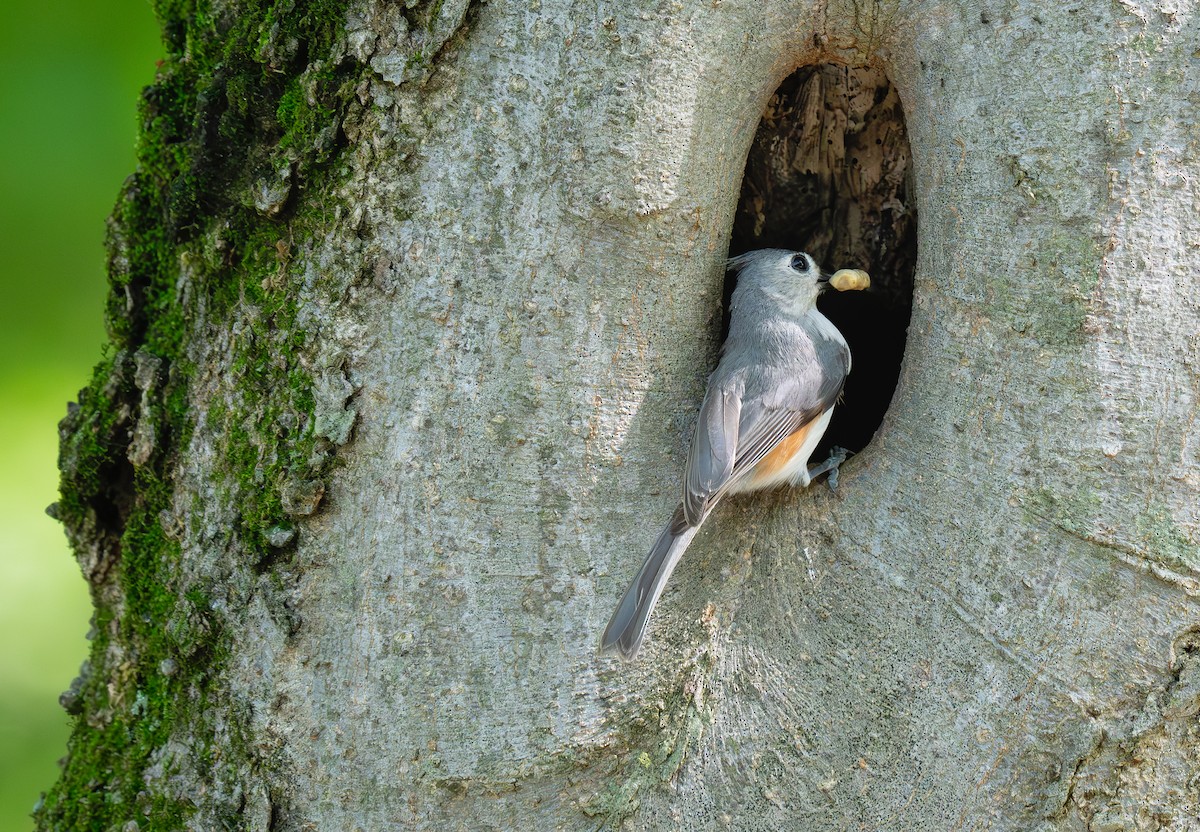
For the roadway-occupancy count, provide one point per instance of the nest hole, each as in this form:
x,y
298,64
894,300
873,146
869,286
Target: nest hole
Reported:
x,y
829,173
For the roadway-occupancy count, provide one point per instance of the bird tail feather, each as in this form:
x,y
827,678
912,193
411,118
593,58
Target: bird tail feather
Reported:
x,y
627,627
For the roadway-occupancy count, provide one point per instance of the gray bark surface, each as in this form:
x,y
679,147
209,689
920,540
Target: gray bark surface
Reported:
x,y
992,624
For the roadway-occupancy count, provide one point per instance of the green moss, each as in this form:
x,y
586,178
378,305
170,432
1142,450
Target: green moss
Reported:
x,y
1065,270
1075,513
241,91
1159,534
1156,536
655,757
1070,271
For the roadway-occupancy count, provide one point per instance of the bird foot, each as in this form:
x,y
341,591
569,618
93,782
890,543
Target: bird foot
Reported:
x,y
837,456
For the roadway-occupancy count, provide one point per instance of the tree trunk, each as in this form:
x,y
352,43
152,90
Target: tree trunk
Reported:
x,y
412,310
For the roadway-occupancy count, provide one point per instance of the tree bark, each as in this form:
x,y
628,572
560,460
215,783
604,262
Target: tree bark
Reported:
x,y
412,311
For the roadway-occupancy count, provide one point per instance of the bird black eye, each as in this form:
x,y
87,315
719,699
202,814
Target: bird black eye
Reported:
x,y
800,263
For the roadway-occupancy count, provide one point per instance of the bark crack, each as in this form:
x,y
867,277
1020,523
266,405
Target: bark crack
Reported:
x,y
1142,774
1130,556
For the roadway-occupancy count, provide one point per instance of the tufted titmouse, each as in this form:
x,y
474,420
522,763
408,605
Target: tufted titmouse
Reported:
x,y
767,406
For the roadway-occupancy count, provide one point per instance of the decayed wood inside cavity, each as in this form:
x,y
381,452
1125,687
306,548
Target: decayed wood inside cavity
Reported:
x,y
828,170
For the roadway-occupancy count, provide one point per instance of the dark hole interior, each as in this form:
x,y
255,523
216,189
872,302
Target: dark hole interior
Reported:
x,y
829,174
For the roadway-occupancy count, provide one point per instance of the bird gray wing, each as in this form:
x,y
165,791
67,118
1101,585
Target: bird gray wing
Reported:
x,y
782,409
713,451
745,415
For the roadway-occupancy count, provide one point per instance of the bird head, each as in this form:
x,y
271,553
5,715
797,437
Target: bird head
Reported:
x,y
792,278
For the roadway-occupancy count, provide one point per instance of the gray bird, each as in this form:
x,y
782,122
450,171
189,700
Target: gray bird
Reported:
x,y
767,405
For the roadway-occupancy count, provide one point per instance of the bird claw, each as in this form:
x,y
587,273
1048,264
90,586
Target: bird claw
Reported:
x,y
837,455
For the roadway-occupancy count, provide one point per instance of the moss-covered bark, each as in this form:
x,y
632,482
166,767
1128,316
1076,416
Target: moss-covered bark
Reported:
x,y
240,134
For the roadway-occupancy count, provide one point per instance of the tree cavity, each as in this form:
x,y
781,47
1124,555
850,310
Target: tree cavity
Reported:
x,y
829,173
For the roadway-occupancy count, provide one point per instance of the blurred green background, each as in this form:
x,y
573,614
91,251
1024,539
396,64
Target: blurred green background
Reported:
x,y
70,75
